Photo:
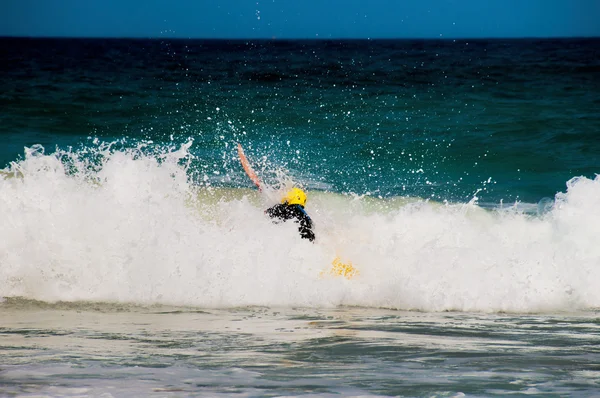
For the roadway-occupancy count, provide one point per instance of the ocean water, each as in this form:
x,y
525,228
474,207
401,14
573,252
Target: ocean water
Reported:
x,y
458,177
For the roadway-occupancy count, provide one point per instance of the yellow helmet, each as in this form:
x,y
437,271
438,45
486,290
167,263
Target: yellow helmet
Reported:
x,y
295,196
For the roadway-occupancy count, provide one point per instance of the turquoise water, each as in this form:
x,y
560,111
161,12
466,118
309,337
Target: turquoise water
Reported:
x,y
458,177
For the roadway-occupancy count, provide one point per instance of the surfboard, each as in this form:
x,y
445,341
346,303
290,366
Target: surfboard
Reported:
x,y
338,268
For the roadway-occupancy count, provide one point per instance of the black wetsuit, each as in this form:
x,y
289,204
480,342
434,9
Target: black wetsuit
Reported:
x,y
286,212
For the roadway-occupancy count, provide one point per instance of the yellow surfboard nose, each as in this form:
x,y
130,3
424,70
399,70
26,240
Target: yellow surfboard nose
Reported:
x,y
338,268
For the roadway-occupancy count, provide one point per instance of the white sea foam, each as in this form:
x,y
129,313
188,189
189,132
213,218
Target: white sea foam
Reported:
x,y
134,229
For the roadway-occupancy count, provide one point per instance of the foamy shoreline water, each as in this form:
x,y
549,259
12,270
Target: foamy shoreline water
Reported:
x,y
115,350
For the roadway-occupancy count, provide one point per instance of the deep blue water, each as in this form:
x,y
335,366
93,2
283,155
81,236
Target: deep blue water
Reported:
x,y
512,119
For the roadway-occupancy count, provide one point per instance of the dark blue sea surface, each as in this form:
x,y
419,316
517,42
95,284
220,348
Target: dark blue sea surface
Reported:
x,y
504,120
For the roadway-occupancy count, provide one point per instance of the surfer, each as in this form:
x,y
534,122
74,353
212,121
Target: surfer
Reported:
x,y
292,208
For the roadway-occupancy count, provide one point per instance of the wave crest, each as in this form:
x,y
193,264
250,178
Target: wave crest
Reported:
x,y
129,226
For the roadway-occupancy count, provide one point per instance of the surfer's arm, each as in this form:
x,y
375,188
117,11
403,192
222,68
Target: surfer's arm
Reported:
x,y
305,227
307,233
